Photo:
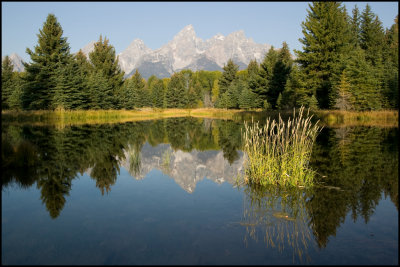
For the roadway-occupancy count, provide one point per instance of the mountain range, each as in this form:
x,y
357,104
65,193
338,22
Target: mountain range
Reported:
x,y
16,61
187,51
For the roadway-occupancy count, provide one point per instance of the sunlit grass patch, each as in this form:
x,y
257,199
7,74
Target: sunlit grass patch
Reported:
x,y
279,152
380,118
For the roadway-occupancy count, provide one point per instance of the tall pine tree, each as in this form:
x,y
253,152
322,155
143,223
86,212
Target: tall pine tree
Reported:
x,y
103,60
176,95
228,76
70,91
371,36
7,81
326,39
254,82
266,73
280,74
100,91
391,67
355,23
157,93
51,52
363,83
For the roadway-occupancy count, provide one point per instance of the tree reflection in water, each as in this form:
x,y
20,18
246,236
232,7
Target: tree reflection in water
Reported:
x,y
357,165
53,156
279,216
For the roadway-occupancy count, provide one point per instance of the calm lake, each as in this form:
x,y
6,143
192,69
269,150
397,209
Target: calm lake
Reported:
x,y
165,192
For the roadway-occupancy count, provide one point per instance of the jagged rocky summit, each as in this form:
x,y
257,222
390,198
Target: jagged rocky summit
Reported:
x,y
16,61
184,51
187,51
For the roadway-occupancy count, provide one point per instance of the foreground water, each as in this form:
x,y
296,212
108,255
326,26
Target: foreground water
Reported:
x,y
163,192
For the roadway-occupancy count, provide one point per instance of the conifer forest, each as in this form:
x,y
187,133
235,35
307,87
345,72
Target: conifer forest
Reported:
x,y
348,61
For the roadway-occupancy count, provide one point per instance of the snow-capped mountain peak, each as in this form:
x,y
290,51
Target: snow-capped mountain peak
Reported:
x,y
17,62
186,50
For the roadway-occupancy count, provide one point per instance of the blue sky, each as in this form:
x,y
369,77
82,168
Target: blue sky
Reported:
x,y
156,23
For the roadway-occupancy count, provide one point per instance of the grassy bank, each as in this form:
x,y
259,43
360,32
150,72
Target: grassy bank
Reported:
x,y
109,116
332,118
337,118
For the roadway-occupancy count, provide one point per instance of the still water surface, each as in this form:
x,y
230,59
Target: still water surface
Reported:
x,y
164,192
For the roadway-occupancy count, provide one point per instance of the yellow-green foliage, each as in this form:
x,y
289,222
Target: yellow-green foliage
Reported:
x,y
381,118
73,117
279,153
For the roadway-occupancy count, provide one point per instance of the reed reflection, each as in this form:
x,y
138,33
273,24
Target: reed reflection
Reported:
x,y
279,217
355,167
52,157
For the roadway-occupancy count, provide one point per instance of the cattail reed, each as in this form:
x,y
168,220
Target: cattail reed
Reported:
x,y
279,152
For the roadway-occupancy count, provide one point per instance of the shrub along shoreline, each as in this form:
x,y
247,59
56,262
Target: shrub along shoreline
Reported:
x,y
331,118
109,116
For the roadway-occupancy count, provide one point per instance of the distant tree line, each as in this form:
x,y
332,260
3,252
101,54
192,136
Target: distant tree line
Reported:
x,y
348,62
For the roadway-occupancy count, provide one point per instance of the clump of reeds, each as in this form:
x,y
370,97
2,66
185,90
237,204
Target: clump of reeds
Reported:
x,y
279,152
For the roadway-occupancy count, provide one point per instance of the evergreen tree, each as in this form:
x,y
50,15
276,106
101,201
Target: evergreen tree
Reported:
x,y
223,101
372,42
69,91
103,60
371,35
82,61
280,74
391,67
266,105
254,81
100,91
136,94
175,95
326,40
266,73
51,52
157,93
296,92
253,71
363,82
248,99
393,43
355,25
312,103
7,81
15,99
228,76
84,72
233,93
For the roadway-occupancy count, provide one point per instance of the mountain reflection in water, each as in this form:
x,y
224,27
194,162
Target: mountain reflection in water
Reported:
x,y
355,167
54,157
186,168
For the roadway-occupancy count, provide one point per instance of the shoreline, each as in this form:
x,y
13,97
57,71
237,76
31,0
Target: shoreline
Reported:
x,y
331,118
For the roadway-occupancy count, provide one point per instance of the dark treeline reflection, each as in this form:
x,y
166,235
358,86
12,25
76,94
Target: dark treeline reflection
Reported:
x,y
355,167
360,163
53,157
